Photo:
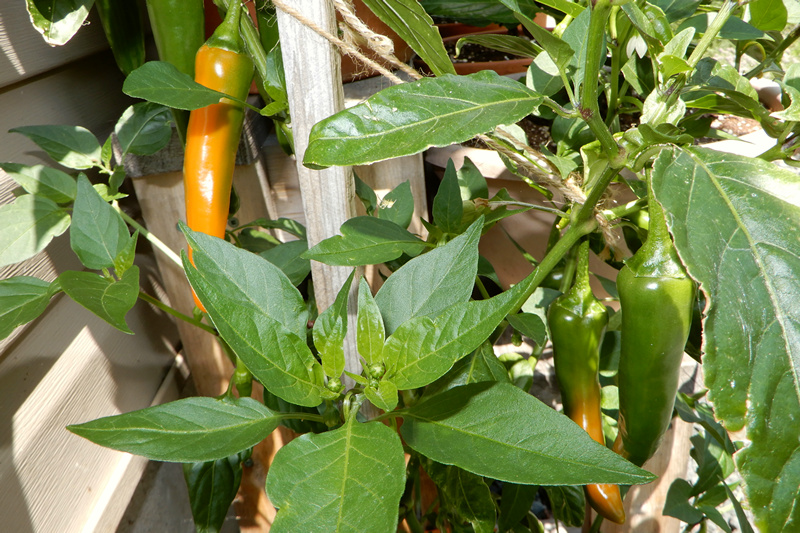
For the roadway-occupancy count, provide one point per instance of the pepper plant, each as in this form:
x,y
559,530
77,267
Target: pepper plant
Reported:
x,y
629,88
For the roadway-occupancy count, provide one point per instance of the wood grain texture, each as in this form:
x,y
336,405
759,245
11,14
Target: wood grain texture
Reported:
x,y
314,84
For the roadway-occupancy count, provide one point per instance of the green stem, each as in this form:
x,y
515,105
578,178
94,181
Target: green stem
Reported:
x,y
174,312
481,288
711,33
155,241
776,52
589,107
311,417
598,521
252,41
624,210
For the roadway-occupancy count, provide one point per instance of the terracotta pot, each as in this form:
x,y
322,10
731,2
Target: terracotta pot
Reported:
x,y
504,67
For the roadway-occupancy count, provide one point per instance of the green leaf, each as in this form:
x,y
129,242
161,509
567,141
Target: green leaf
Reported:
x,y
398,205
71,146
480,365
447,206
479,12
127,255
288,257
543,76
347,480
162,83
144,129
212,487
559,50
425,348
367,196
22,299
366,241
29,224
406,119
370,333
330,329
464,494
58,20
568,504
108,299
748,266
411,22
259,313
509,44
676,10
768,15
677,503
530,325
735,28
184,431
576,36
384,397
471,181
515,504
432,282
744,523
473,425
43,181
98,232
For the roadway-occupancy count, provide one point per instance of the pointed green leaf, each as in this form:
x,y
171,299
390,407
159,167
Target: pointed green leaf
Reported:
x,y
515,504
212,487
144,129
127,255
98,232
29,224
471,181
259,313
398,205
432,282
447,206
480,12
58,20
330,329
473,425
110,300
43,181
366,241
677,503
425,348
72,146
734,29
384,397
22,299
370,333
184,431
407,119
366,195
676,10
748,266
347,480
509,44
162,83
411,22
557,49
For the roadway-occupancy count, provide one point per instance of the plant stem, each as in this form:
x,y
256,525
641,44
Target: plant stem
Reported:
x,y
589,108
711,33
174,312
598,521
301,416
623,210
155,241
776,52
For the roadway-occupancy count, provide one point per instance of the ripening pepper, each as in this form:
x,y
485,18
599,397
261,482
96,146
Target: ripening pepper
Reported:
x,y
577,323
656,297
213,134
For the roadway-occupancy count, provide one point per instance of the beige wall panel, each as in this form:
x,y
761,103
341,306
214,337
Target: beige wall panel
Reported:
x,y
71,368
26,54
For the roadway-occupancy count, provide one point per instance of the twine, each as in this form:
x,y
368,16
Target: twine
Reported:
x,y
343,47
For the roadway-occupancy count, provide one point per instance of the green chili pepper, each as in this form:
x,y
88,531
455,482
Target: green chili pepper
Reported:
x,y
577,324
242,379
122,24
656,297
179,31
